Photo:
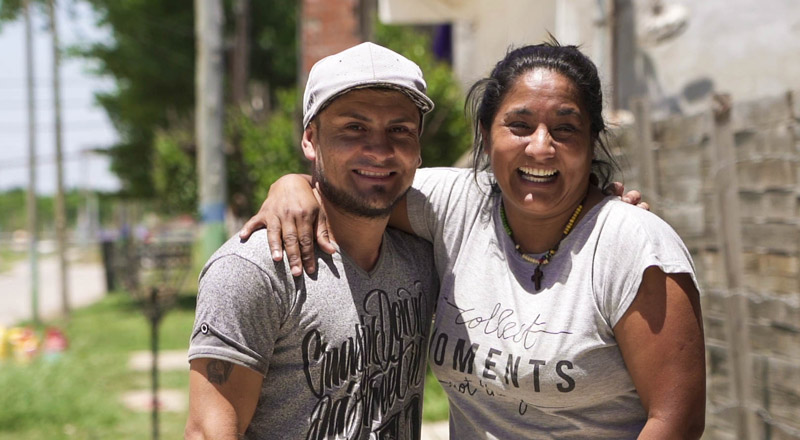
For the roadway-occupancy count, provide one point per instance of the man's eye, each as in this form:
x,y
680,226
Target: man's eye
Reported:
x,y
399,130
355,127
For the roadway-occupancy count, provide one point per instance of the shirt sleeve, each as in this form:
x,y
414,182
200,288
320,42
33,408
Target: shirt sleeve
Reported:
x,y
238,315
631,241
438,200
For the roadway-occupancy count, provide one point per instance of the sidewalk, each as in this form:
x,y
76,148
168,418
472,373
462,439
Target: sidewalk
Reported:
x,y
435,430
86,285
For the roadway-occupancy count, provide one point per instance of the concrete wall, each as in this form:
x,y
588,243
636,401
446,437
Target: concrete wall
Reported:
x,y
483,30
745,47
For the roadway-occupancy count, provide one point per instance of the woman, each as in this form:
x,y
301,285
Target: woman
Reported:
x,y
563,312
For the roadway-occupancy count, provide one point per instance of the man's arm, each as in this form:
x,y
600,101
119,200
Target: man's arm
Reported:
x,y
222,399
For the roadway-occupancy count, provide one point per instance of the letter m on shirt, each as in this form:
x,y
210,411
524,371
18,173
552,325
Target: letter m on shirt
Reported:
x,y
464,360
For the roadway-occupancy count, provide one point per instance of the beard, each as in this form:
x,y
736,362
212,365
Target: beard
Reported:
x,y
354,203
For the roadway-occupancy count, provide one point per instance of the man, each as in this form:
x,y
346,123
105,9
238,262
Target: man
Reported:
x,y
341,353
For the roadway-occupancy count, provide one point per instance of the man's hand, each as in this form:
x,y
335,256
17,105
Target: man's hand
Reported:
x,y
633,197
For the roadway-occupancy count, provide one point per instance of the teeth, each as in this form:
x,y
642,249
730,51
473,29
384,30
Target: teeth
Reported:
x,y
537,175
372,173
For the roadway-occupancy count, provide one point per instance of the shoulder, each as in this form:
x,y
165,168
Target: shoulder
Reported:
x,y
451,179
633,221
636,237
236,256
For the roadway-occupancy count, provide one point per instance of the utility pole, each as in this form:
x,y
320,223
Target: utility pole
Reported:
x,y
32,220
212,176
60,214
240,70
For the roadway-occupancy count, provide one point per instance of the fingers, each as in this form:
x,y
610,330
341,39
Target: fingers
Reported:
x,y
305,241
252,225
291,245
274,239
615,188
633,197
323,238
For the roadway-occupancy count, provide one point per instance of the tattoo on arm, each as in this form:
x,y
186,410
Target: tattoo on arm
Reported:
x,y
218,371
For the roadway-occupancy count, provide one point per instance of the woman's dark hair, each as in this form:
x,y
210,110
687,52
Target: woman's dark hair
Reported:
x,y
486,95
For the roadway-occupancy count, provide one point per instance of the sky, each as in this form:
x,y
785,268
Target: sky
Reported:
x,y
84,124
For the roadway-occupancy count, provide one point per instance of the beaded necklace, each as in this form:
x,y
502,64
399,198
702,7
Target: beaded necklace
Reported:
x,y
538,274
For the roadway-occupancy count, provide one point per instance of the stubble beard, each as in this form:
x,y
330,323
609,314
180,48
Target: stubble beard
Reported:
x,y
353,203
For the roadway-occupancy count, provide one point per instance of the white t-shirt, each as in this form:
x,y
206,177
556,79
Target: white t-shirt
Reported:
x,y
522,364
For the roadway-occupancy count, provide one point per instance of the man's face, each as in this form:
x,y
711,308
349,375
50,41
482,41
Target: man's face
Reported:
x,y
365,148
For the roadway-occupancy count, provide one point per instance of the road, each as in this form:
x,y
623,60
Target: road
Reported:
x,y
86,285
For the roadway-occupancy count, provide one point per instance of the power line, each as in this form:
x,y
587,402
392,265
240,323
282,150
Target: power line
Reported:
x,y
48,125
22,162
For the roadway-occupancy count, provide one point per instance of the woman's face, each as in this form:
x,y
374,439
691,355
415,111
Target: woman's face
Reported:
x,y
540,145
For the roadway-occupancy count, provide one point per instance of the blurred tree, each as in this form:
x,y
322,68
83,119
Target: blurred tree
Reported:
x,y
12,205
151,57
10,10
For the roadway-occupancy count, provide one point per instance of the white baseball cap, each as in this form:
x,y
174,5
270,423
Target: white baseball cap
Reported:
x,y
364,66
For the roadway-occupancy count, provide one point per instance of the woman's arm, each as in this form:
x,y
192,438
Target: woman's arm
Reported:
x,y
294,218
661,339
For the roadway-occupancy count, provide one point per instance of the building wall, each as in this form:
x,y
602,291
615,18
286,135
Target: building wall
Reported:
x,y
328,27
483,30
746,48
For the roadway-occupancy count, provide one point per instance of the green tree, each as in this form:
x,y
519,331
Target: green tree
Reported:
x,y
151,57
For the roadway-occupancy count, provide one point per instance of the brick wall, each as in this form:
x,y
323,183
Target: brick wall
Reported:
x,y
328,27
766,141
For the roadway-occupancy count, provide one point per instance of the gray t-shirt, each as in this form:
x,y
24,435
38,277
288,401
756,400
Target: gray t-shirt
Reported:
x,y
343,353
521,364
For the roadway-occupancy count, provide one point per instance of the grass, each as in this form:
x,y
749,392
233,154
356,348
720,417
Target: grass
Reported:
x,y
77,395
434,407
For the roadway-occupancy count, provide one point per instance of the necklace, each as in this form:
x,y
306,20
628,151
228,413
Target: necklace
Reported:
x,y
538,274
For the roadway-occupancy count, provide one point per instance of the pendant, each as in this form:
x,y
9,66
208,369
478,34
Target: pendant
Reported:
x,y
537,277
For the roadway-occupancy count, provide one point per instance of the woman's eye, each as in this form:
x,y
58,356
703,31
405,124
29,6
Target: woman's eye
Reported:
x,y
563,131
519,127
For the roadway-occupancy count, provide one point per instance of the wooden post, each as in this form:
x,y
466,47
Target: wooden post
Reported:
x,y
60,211
648,173
209,109
730,243
33,229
